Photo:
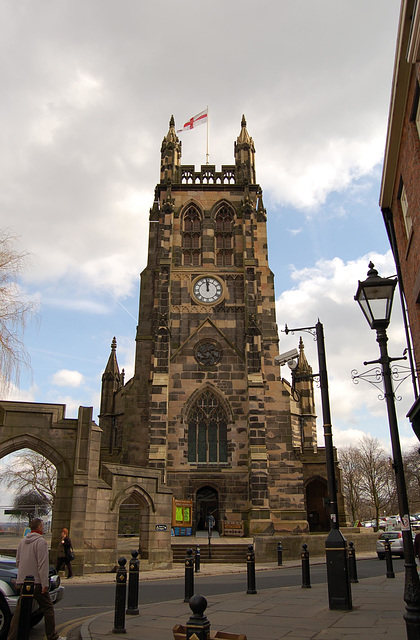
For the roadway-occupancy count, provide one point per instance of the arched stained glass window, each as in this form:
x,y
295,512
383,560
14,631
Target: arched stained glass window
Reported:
x,y
224,237
207,430
191,237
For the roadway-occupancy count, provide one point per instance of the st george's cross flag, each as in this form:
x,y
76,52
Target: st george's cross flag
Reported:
x,y
195,121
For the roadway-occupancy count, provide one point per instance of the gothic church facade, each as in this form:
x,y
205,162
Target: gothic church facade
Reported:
x,y
207,406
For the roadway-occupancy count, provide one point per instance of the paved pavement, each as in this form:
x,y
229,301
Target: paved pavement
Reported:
x,y
271,614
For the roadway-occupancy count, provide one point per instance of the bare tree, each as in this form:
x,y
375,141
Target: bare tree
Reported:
x,y
14,311
412,477
351,478
31,471
376,481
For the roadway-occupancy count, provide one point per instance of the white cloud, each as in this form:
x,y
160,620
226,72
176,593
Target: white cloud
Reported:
x,y
326,291
86,102
66,378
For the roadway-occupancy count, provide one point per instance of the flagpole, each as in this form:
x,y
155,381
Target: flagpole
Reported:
x,y
207,154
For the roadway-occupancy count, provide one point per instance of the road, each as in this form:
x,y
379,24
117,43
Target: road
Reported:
x,y
81,602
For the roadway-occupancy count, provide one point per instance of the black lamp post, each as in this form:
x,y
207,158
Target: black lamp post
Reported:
x,y
375,296
338,577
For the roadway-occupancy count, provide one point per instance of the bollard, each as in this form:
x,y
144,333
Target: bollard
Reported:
x,y
388,557
197,559
306,576
25,607
351,554
279,554
133,585
198,626
250,569
120,594
189,576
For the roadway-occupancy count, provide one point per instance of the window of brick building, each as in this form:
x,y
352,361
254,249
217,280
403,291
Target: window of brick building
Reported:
x,y
406,211
191,237
207,430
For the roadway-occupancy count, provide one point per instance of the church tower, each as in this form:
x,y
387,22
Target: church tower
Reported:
x,y
206,404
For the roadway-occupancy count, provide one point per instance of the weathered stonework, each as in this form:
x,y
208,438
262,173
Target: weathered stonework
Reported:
x,y
208,224
206,416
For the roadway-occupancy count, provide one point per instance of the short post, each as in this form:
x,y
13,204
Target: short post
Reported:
x,y
120,594
189,576
279,554
197,559
250,569
352,563
25,607
306,577
198,626
133,585
388,557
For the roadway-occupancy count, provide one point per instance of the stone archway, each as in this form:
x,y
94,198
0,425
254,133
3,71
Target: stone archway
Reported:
x,y
89,494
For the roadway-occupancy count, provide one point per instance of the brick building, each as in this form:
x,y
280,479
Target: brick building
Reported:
x,y
400,189
206,405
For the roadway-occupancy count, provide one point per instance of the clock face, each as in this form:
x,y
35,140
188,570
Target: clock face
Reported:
x,y
207,289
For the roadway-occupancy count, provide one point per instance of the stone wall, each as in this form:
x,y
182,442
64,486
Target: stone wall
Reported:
x,y
266,548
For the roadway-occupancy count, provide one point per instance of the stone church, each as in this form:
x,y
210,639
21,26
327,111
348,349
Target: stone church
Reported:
x,y
206,406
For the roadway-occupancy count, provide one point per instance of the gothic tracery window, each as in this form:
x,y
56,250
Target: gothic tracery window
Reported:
x,y
224,237
191,237
207,430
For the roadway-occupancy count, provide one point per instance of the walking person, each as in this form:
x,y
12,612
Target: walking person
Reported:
x,y
65,553
32,560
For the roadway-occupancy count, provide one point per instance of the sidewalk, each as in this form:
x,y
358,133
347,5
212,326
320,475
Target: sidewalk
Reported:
x,y
271,614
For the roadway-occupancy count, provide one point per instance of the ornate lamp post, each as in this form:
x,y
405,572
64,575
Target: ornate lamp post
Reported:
x,y
375,296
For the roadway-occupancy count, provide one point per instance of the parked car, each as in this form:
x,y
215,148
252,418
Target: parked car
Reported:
x,y
396,541
9,594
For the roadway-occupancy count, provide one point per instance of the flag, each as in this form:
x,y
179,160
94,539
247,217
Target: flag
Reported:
x,y
193,122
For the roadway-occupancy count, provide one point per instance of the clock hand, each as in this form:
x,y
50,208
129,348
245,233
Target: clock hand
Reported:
x,y
207,285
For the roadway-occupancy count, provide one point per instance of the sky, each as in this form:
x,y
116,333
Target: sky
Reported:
x,y
88,89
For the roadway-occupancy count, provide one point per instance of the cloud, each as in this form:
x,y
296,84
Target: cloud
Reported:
x,y
86,102
326,291
66,378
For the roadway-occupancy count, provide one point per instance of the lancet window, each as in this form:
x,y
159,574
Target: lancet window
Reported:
x,y
191,237
207,430
224,237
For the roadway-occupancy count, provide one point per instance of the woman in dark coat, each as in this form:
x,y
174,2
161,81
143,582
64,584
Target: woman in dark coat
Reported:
x,y
64,551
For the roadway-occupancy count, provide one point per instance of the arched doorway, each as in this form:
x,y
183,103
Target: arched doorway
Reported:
x,y
207,504
133,521
316,494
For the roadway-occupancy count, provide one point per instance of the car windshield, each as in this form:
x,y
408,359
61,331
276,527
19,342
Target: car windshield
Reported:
x,y
389,536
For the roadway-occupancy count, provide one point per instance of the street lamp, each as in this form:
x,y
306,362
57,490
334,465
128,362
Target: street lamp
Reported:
x,y
338,578
375,296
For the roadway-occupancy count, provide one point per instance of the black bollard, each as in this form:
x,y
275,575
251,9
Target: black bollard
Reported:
x,y
306,576
133,585
351,554
189,576
25,607
279,554
120,594
388,557
197,559
250,569
198,626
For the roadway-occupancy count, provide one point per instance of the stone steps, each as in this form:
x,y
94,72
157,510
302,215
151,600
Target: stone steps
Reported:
x,y
220,553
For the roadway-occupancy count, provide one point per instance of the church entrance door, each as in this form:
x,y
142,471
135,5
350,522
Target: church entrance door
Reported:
x,y
207,504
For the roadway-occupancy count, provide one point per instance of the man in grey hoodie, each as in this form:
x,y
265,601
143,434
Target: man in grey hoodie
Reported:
x,y
32,560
